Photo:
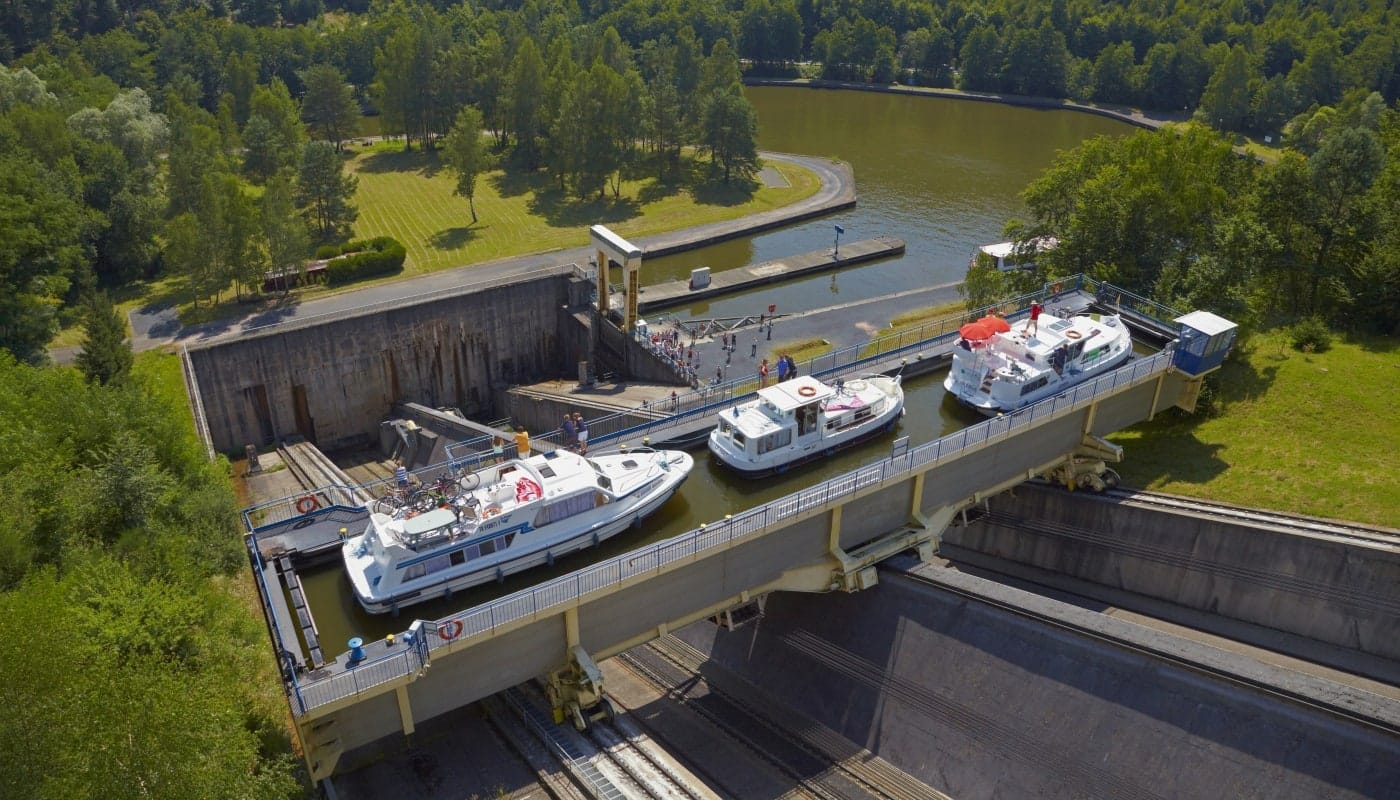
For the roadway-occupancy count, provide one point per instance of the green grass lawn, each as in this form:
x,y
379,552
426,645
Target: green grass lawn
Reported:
x,y
409,196
1309,433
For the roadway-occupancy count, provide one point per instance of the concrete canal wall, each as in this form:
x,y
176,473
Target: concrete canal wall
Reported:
x,y
333,380
1326,589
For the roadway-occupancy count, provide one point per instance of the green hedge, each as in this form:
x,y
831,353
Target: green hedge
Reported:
x,y
382,255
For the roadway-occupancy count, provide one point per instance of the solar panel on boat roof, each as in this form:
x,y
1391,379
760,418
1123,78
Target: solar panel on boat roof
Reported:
x,y
1061,324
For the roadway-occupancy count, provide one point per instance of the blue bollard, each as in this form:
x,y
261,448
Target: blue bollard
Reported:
x,y
357,650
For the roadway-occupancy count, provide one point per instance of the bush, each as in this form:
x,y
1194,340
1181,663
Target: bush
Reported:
x,y
1311,335
379,256
326,251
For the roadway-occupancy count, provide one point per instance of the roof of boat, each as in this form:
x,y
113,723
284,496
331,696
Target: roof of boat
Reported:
x,y
1051,330
1004,249
790,394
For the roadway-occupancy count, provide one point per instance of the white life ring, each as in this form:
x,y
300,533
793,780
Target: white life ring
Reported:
x,y
450,629
807,391
856,385
1072,334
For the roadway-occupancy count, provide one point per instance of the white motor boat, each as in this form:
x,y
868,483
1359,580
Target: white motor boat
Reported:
x,y
998,367
801,419
506,518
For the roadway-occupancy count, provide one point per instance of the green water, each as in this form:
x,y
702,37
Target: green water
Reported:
x,y
944,175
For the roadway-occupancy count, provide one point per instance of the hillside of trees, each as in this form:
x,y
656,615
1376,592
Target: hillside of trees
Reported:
x,y
198,143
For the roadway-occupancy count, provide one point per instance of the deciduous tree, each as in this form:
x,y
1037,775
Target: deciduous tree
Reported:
x,y
465,153
328,106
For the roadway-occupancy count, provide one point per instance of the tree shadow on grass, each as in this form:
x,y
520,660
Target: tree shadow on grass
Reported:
x,y
455,238
513,182
399,161
659,188
713,191
560,210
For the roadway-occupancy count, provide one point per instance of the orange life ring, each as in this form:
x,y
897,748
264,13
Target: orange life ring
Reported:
x,y
491,511
307,504
1072,334
807,391
450,629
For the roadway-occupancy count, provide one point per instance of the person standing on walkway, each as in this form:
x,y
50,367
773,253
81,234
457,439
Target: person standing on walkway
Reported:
x,y
522,442
753,351
498,450
569,432
782,368
1035,317
581,427
763,374
770,330
400,474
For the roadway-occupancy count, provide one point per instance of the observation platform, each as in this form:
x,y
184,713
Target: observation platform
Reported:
x,y
826,538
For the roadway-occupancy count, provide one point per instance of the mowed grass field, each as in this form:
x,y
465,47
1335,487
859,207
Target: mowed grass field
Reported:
x,y
1309,433
409,196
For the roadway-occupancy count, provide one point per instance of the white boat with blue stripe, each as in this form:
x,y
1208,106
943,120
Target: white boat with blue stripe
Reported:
x,y
505,518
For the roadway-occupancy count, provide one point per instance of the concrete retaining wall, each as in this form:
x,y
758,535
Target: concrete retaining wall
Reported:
x,y
1327,590
334,381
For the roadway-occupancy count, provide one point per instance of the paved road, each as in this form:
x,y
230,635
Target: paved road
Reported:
x,y
154,326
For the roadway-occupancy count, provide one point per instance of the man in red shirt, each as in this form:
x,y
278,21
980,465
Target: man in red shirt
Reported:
x,y
1035,317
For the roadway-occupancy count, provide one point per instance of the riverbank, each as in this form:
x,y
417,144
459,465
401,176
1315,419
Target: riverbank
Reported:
x,y
1133,116
159,324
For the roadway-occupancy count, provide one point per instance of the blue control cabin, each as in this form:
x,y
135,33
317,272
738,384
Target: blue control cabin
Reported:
x,y
1204,343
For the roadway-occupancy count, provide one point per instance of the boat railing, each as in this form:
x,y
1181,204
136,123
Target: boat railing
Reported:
x,y
651,559
302,505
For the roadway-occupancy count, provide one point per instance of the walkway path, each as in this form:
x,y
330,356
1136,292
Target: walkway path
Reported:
x,y
154,326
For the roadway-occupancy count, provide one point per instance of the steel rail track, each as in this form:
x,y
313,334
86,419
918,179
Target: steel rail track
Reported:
x,y
1205,670
814,757
1369,534
647,770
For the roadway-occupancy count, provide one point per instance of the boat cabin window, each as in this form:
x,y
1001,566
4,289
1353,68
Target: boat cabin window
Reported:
x,y
775,440
740,440
568,507
807,419
1031,386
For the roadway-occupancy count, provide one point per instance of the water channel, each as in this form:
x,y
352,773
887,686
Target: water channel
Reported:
x,y
944,175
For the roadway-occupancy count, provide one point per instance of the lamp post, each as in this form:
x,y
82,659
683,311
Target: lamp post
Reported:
x,y
836,251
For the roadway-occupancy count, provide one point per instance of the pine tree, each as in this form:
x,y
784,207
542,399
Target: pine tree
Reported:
x,y
106,356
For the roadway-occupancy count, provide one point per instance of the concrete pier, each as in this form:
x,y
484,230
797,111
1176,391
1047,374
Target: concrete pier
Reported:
x,y
736,280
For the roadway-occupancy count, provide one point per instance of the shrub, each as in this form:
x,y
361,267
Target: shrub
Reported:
x,y
326,251
1311,335
379,256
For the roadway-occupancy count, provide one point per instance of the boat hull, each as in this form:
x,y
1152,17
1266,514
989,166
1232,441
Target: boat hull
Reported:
x,y
542,549
988,407
799,454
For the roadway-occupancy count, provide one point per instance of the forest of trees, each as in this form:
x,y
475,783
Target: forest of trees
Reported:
x,y
167,139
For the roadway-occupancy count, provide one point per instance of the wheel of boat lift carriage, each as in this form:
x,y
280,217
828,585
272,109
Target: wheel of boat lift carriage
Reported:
x,y
608,709
1111,478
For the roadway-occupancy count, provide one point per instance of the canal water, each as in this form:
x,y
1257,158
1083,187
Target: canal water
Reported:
x,y
944,175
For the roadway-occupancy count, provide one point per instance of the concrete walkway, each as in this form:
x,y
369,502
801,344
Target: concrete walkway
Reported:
x,y
154,326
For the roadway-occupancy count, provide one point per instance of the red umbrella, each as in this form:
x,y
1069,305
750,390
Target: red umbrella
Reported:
x,y
975,332
995,324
